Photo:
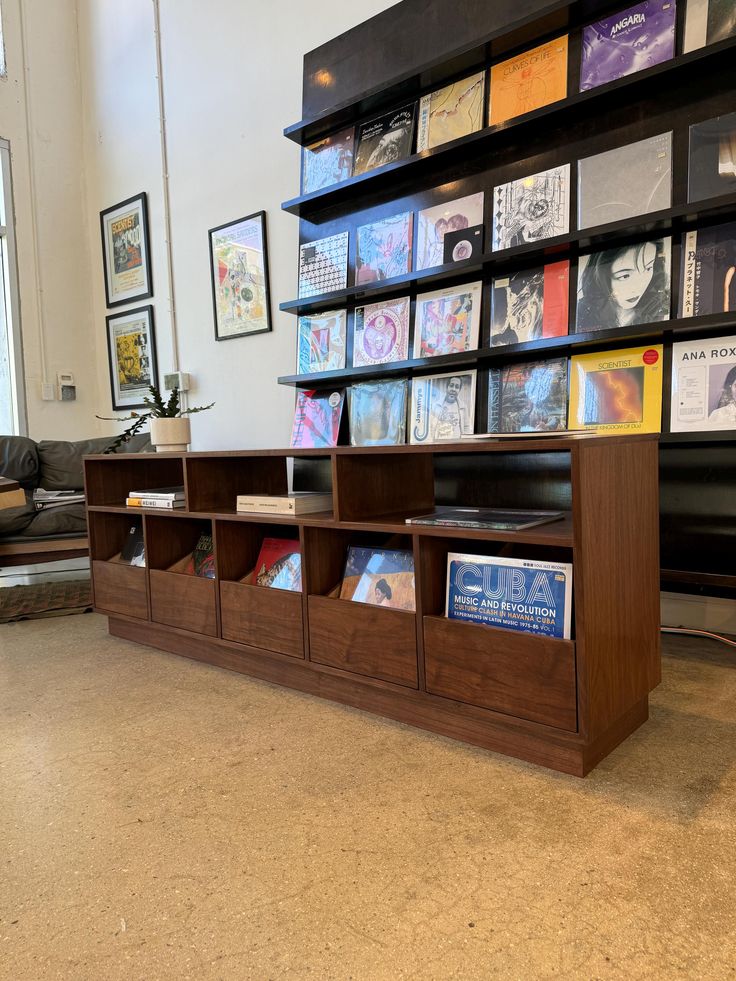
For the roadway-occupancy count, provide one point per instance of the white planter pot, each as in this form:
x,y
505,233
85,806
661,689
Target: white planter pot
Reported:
x,y
171,435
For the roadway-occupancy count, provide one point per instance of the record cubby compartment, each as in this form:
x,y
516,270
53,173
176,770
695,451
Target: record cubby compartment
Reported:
x,y
178,599
258,616
118,587
109,484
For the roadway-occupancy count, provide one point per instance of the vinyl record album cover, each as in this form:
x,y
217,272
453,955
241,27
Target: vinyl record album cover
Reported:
x,y
317,419
442,407
323,265
451,112
434,223
524,398
134,551
327,161
381,332
708,21
712,163
381,577
464,244
708,283
385,140
279,564
623,286
638,37
617,391
631,180
703,395
447,321
529,81
530,304
532,208
384,249
202,560
378,413
321,342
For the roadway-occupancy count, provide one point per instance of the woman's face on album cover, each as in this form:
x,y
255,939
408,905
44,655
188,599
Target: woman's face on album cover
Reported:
x,y
631,274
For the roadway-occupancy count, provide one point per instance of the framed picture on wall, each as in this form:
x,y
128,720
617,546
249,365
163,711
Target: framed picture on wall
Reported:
x,y
239,271
131,351
125,251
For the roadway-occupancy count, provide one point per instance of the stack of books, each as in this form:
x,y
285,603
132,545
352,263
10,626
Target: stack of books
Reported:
x,y
44,499
165,498
298,502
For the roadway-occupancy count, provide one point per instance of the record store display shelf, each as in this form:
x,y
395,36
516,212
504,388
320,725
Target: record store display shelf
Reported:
x,y
564,704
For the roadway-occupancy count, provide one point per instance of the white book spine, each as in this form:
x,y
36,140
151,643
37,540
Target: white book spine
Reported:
x,y
688,274
423,128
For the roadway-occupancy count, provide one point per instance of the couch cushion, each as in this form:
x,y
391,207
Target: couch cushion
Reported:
x,y
14,521
57,521
61,463
19,460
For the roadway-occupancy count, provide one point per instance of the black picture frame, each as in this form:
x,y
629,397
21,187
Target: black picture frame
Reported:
x,y
134,400
217,245
141,286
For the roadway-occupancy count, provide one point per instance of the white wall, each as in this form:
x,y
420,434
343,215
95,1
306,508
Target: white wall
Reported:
x,y
232,79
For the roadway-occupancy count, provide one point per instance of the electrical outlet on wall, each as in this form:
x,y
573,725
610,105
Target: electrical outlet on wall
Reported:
x,y
48,393
177,379
67,388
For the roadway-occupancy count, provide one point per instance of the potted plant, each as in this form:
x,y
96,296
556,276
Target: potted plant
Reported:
x,y
170,427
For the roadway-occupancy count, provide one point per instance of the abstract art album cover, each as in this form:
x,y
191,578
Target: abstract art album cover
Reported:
x,y
279,564
442,407
323,265
527,398
708,283
447,321
529,81
451,112
377,411
712,158
530,304
703,397
434,223
381,332
328,161
317,419
321,342
617,391
384,249
385,140
708,21
626,285
532,208
631,180
633,39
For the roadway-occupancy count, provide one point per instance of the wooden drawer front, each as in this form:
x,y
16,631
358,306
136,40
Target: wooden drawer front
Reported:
x,y
515,673
267,618
120,588
364,639
183,601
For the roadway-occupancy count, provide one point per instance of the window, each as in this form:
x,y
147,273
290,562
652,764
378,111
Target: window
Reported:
x,y
12,404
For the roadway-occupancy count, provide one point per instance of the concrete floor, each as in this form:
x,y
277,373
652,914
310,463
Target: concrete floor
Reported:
x,y
163,819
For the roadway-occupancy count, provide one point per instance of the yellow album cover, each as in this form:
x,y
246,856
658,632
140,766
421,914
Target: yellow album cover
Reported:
x,y
617,391
529,81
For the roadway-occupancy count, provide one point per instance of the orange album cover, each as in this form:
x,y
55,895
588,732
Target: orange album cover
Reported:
x,y
529,81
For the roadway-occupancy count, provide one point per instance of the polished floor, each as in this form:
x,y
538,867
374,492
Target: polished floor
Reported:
x,y
160,818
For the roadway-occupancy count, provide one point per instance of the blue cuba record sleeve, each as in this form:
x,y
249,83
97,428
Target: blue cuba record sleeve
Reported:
x,y
516,594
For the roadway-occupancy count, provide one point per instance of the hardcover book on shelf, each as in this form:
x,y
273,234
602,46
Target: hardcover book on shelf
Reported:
x,y
532,208
202,560
530,304
378,413
447,321
323,265
328,161
442,407
708,271
134,551
712,159
385,140
526,398
516,594
434,223
294,503
317,419
633,39
451,112
381,332
279,565
321,342
625,182
703,397
529,81
175,493
707,22
157,503
384,249
486,519
623,286
381,577
617,391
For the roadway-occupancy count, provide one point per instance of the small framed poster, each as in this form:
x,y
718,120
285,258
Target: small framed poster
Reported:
x,y
125,251
131,351
239,271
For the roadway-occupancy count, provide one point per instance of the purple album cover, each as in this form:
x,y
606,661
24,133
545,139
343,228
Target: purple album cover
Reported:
x,y
636,38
